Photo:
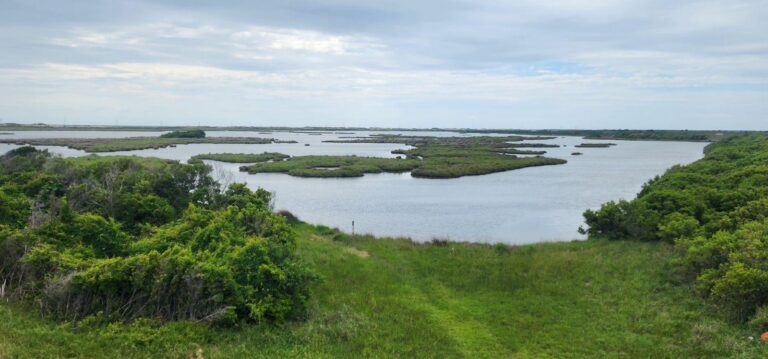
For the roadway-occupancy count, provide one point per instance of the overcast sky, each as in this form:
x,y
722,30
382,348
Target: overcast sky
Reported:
x,y
397,63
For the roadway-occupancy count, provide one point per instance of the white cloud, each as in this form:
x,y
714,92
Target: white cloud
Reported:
x,y
278,39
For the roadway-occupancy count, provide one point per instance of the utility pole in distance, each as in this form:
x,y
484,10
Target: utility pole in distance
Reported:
x,y
353,228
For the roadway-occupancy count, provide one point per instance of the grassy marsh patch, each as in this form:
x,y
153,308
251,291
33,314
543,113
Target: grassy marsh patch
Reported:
x,y
241,157
131,143
432,157
595,145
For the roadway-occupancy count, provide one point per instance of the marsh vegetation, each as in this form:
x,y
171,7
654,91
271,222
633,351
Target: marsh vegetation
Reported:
x,y
333,166
432,157
241,157
595,145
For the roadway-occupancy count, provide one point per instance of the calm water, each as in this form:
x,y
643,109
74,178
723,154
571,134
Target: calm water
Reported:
x,y
522,206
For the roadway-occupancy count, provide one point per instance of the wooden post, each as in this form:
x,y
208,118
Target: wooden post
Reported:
x,y
353,228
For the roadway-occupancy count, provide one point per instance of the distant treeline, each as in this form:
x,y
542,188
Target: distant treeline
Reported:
x,y
655,135
135,143
619,134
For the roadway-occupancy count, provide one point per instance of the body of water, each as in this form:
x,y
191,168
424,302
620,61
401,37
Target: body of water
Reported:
x,y
522,206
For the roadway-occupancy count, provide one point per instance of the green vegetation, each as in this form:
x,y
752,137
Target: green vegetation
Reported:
x,y
396,298
151,259
432,157
117,239
595,145
241,157
131,143
715,211
194,133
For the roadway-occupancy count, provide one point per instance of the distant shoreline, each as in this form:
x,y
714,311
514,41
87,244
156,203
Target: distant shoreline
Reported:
x,y
593,134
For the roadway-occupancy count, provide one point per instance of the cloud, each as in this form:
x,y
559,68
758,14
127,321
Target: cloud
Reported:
x,y
578,63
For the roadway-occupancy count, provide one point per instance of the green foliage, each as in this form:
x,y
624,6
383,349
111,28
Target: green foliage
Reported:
x,y
501,248
104,236
622,219
676,226
716,211
22,159
14,207
126,238
194,133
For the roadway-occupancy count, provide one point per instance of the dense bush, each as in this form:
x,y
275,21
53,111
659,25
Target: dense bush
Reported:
x,y
196,133
716,211
125,238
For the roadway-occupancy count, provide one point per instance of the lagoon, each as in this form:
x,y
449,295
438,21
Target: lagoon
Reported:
x,y
522,206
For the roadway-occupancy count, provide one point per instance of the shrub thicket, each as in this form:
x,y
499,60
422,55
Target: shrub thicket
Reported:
x,y
716,211
124,238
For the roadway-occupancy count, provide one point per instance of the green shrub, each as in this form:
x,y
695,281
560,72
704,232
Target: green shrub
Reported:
x,y
501,248
128,238
716,211
677,225
325,230
440,242
184,134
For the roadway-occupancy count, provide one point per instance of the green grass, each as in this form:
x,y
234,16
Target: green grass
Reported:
x,y
395,298
131,143
242,157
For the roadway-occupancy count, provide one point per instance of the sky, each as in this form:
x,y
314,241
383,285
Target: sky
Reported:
x,y
398,63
